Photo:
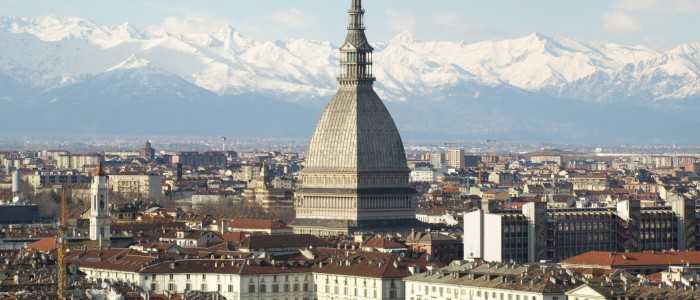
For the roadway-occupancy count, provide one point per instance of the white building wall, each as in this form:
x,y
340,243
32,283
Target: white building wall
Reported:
x,y
112,275
144,185
418,290
422,176
473,238
298,286
493,236
234,286
344,287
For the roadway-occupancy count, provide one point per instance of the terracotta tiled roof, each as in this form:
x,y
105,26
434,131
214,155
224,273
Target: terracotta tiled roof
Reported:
x,y
382,243
44,245
633,259
235,236
366,264
299,241
655,278
221,267
111,259
259,224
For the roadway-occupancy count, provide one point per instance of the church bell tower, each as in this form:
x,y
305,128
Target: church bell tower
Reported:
x,y
100,216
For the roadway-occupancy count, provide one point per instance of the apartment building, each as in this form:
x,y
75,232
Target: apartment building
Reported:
x,y
537,233
41,179
142,185
490,281
77,161
314,274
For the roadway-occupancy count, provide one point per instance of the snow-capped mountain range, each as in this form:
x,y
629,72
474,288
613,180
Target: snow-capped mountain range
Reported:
x,y
70,75
48,53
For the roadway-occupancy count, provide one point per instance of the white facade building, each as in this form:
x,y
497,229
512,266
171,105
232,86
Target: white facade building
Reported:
x,y
485,281
422,175
77,161
143,185
243,279
437,218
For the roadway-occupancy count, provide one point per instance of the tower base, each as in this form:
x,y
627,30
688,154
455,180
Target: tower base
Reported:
x,y
323,227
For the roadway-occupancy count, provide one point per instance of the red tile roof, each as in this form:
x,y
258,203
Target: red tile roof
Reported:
x,y
112,259
365,264
235,237
618,260
297,241
222,267
655,278
43,245
258,224
382,243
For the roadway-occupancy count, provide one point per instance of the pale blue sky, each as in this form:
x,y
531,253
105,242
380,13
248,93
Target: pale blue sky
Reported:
x,y
656,23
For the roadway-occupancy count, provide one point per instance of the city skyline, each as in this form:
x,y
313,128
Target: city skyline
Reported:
x,y
179,159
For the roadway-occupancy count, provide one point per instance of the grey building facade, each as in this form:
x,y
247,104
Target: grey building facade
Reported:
x,y
539,234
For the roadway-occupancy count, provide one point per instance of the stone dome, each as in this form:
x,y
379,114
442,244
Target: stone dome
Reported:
x,y
356,133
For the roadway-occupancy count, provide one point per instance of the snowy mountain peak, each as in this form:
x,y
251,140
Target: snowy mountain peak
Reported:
x,y
56,29
51,28
127,31
691,50
131,63
232,39
223,61
404,37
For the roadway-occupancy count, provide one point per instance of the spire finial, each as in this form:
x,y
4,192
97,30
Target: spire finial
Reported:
x,y
99,171
356,52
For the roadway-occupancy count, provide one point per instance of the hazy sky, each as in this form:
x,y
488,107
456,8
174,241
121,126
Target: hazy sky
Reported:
x,y
657,23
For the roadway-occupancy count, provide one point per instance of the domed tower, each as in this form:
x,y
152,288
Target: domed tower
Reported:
x,y
355,176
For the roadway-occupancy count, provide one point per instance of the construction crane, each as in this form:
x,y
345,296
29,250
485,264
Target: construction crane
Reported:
x,y
61,251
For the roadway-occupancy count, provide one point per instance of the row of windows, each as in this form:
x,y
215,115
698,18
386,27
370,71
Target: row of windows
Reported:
x,y
230,288
275,288
218,277
431,291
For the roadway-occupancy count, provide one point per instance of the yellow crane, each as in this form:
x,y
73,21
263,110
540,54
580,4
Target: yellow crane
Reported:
x,y
61,251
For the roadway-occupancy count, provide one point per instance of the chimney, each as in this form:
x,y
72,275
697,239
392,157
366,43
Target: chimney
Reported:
x,y
412,270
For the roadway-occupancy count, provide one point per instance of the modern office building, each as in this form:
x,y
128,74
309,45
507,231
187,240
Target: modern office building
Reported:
x,y
455,158
437,159
41,179
200,159
77,161
537,233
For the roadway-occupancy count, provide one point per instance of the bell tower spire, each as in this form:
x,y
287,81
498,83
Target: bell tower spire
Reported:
x,y
356,52
100,216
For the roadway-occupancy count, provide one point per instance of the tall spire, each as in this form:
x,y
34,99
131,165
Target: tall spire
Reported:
x,y
99,170
356,52
356,15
